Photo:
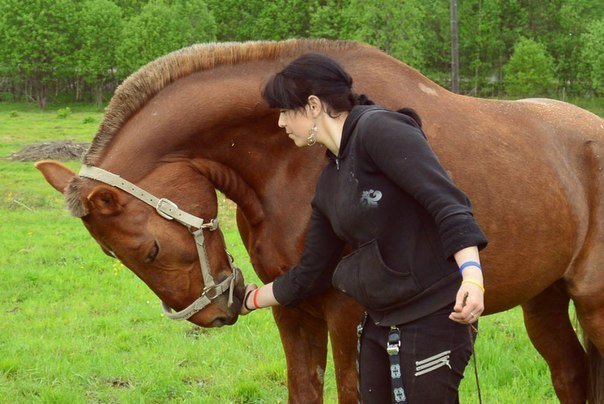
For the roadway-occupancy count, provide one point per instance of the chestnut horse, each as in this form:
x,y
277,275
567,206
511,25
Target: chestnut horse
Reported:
x,y
194,120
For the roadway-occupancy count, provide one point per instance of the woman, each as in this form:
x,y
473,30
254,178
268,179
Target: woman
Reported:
x,y
415,265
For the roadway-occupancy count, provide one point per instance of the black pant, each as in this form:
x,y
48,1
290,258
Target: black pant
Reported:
x,y
430,373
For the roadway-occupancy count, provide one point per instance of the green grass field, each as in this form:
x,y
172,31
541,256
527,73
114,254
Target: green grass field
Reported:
x,y
78,327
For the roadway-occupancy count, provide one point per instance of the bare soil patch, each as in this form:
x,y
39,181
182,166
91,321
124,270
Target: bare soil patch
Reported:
x,y
57,150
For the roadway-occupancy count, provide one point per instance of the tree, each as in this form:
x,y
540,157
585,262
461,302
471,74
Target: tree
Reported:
x,y
39,41
161,28
198,18
394,27
236,19
100,26
327,21
592,58
488,31
454,48
529,71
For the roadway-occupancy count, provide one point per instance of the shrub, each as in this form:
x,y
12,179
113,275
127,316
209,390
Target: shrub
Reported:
x,y
64,112
89,119
13,114
530,71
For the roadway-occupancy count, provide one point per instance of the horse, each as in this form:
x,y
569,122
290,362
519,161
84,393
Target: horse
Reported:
x,y
193,121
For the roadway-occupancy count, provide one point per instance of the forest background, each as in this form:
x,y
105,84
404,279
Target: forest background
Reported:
x,y
64,51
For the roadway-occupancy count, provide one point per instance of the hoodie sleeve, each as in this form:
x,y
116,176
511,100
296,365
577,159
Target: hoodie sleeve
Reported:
x,y
401,151
312,274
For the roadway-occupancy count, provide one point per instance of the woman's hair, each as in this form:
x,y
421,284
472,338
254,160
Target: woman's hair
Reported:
x,y
317,74
313,74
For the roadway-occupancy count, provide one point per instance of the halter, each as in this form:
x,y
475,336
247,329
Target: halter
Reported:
x,y
168,210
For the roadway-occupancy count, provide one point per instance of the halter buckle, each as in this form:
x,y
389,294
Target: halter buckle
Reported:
x,y
210,225
165,208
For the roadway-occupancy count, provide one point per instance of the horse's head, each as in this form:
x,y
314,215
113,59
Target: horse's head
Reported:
x,y
169,248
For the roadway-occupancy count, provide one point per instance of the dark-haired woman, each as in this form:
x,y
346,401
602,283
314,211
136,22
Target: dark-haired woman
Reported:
x,y
415,266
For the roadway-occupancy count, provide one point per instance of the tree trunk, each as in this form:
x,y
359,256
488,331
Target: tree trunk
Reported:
x,y
454,49
99,96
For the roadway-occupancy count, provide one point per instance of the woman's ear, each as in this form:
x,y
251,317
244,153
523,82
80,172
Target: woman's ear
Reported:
x,y
315,105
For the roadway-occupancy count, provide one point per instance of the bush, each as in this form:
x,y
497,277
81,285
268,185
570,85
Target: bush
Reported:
x,y
13,114
63,112
89,119
530,71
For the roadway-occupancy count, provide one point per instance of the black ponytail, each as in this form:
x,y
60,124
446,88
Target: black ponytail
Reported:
x,y
411,113
363,100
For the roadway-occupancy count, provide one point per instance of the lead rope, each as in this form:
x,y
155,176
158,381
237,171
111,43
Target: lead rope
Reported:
x,y
472,332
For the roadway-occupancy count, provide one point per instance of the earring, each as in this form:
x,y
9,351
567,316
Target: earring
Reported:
x,y
312,135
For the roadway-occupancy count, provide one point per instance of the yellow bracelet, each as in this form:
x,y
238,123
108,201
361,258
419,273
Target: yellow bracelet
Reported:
x,y
473,282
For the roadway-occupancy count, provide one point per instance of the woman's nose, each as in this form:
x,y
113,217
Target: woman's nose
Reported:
x,y
281,121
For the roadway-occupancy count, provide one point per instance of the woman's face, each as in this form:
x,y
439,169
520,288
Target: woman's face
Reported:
x,y
297,124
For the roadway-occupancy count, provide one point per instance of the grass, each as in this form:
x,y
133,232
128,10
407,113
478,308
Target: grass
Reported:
x,y
79,327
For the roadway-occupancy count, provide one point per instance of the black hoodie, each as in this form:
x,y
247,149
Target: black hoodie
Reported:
x,y
386,195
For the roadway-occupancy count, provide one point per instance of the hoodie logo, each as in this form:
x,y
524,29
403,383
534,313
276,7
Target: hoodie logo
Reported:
x,y
370,198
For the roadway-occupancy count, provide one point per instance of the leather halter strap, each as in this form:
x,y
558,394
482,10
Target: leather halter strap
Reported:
x,y
170,211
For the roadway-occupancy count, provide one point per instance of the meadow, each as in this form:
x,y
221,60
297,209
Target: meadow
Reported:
x,y
79,327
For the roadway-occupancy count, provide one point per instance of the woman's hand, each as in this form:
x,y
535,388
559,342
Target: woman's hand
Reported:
x,y
247,300
469,303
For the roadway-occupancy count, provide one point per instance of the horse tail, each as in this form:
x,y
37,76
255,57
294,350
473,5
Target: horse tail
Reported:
x,y
595,366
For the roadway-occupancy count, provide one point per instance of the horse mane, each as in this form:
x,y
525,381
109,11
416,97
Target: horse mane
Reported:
x,y
142,85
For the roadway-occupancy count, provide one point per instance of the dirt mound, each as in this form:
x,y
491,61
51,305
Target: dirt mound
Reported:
x,y
59,150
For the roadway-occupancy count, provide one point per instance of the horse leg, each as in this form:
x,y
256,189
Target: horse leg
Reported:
x,y
343,315
551,332
587,292
304,340
592,322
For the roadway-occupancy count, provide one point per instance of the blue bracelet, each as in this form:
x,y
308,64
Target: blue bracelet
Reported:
x,y
469,264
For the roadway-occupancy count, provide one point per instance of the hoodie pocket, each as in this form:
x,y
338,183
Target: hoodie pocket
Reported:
x,y
364,276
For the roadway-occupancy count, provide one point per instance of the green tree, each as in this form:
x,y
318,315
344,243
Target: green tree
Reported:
x,y
197,18
529,71
393,26
592,58
262,20
38,43
100,26
327,21
130,7
235,19
161,28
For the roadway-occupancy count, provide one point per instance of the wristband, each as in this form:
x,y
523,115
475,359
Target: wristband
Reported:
x,y
245,300
469,264
256,305
474,283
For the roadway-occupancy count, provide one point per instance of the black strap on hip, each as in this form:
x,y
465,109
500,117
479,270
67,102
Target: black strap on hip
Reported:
x,y
359,335
396,372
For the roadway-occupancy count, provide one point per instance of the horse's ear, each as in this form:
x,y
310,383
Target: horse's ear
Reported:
x,y
105,200
56,174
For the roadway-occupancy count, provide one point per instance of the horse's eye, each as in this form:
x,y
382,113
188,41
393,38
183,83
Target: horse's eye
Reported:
x,y
152,253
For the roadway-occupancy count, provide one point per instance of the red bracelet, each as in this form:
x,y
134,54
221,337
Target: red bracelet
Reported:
x,y
255,299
